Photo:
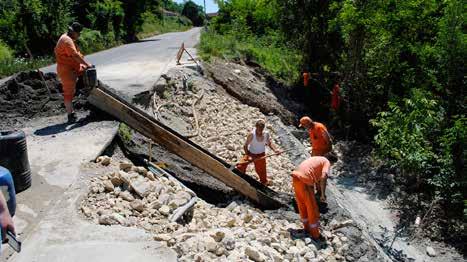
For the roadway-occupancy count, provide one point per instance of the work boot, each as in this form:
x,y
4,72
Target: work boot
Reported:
x,y
71,118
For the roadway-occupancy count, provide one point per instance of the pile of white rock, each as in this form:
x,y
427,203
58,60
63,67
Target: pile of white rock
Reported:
x,y
133,196
224,123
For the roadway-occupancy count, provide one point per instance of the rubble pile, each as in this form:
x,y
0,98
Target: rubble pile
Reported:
x,y
133,196
224,123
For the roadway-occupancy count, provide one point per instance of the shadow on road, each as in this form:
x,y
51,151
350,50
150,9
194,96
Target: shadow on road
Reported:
x,y
64,127
146,40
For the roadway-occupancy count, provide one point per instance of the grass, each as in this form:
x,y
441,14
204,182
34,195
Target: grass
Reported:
x,y
125,132
153,26
12,66
280,61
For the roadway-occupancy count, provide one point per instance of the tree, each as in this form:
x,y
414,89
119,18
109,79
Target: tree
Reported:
x,y
194,12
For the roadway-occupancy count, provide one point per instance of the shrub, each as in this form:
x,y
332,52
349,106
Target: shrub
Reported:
x,y
5,52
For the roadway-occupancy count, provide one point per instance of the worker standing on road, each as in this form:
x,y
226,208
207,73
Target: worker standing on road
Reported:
x,y
314,170
255,149
70,65
320,139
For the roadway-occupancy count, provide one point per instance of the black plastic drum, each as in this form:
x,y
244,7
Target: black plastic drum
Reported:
x,y
14,157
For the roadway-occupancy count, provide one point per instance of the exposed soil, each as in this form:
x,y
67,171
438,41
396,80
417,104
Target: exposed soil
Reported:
x,y
24,96
256,88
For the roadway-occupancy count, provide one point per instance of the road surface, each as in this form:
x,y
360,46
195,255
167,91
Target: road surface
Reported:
x,y
47,219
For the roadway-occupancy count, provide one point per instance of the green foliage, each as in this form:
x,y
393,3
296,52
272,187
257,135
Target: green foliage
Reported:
x,y
172,6
5,52
277,59
405,132
107,17
14,65
125,133
92,41
154,26
194,12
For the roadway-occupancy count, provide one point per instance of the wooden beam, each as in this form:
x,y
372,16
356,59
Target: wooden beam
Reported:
x,y
175,143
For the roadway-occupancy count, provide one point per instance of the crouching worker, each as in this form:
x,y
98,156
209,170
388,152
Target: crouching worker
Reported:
x,y
255,150
70,65
313,171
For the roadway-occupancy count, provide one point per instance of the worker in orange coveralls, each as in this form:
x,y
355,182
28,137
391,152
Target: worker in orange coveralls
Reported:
x,y
70,65
255,149
306,78
314,170
335,97
320,139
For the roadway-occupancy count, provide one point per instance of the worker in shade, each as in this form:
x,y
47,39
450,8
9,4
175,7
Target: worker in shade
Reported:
x,y
313,171
70,65
320,139
255,150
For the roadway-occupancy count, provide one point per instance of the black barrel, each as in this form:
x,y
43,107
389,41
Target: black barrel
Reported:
x,y
14,157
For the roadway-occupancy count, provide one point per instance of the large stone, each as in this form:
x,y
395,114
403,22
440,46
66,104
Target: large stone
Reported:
x,y
175,203
137,205
254,254
116,181
125,166
164,210
108,186
430,251
209,243
162,237
106,220
142,187
150,176
119,218
163,198
125,195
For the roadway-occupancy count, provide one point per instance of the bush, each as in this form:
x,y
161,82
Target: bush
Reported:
x,y
154,26
5,52
282,62
92,41
14,65
406,131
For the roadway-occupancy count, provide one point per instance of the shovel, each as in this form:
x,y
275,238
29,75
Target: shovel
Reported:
x,y
260,158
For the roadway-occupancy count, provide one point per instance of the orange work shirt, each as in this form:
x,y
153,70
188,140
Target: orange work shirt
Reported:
x,y
313,169
319,137
64,52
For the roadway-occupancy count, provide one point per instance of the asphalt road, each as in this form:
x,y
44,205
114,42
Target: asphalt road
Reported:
x,y
47,219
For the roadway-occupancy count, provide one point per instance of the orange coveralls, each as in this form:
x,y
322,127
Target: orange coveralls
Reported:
x,y
306,78
320,145
335,98
260,166
68,69
308,173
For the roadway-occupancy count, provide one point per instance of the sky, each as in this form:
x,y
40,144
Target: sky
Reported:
x,y
211,7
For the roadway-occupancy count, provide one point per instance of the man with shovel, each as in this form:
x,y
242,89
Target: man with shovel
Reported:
x,y
255,151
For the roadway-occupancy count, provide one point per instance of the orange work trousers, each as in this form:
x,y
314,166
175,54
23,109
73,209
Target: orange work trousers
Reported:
x,y
260,166
69,76
319,152
307,207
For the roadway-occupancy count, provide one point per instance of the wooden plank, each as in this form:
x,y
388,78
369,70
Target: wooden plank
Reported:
x,y
175,143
